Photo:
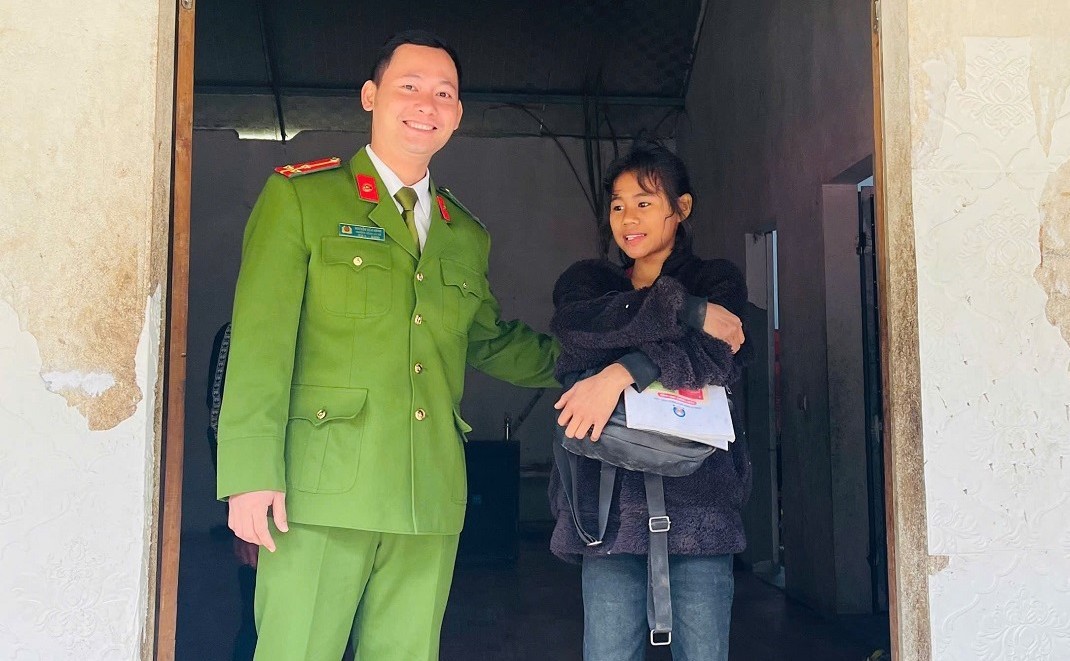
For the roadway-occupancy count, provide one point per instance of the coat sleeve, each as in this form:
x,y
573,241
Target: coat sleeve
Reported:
x,y
594,311
699,359
723,283
596,316
267,309
510,350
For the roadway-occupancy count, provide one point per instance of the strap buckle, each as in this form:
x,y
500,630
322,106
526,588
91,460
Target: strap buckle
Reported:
x,y
657,639
659,524
596,542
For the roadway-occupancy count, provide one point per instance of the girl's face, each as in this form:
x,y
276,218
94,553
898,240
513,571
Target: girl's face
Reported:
x,y
644,223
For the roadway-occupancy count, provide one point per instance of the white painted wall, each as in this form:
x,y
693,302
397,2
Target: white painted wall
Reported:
x,y
74,506
992,128
85,139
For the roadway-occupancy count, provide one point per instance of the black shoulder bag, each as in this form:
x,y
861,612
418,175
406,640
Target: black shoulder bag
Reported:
x,y
655,455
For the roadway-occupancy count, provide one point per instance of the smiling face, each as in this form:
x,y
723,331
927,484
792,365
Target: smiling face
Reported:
x,y
415,107
643,221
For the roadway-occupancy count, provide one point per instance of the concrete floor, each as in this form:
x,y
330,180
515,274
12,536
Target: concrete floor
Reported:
x,y
526,611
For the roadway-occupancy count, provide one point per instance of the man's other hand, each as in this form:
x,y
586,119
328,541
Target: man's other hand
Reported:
x,y
248,516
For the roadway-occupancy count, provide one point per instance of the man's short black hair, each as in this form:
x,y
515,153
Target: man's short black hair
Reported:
x,y
416,38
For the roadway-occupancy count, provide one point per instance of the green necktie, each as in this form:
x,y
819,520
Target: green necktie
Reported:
x,y
406,197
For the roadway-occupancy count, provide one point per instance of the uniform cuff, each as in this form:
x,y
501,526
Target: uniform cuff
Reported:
x,y
248,464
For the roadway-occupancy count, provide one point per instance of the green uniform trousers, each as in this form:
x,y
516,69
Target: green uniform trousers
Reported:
x,y
308,592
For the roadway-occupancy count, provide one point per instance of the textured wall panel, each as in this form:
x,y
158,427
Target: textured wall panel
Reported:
x,y
85,126
995,368
73,512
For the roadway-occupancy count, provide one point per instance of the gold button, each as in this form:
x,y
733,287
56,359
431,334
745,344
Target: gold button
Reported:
x,y
357,261
418,320
420,277
420,414
321,414
417,368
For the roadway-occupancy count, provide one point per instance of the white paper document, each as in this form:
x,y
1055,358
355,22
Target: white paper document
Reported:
x,y
698,415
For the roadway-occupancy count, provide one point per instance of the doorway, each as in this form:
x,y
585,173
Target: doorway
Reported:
x,y
458,164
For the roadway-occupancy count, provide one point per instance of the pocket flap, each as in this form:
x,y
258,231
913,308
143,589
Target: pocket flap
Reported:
x,y
321,404
358,253
462,277
462,426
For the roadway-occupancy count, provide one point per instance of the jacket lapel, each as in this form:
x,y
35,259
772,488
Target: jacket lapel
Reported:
x,y
383,213
440,234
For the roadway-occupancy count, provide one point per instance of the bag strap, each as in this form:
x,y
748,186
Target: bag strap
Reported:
x,y
659,599
567,465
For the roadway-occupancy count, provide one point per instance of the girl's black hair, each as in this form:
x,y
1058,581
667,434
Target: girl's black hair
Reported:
x,y
656,168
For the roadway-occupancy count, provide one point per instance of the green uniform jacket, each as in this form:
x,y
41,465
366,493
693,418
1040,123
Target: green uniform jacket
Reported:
x,y
348,354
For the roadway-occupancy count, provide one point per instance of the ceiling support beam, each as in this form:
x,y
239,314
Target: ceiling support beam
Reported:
x,y
476,97
272,69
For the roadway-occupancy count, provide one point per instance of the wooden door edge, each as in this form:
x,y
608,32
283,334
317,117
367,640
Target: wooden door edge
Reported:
x,y
881,254
177,315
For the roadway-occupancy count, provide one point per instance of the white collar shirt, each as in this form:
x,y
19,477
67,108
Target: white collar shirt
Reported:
x,y
393,184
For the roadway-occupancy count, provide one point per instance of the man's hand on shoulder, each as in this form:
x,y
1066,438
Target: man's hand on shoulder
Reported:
x,y
248,516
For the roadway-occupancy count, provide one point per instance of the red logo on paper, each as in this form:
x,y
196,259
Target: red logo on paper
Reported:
x,y
367,189
442,208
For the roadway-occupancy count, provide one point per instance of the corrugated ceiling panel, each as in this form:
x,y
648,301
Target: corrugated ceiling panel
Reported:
x,y
636,48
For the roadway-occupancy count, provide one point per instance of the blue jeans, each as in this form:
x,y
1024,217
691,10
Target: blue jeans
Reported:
x,y
614,607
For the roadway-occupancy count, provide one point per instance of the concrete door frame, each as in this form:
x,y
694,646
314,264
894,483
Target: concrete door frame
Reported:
x,y
908,558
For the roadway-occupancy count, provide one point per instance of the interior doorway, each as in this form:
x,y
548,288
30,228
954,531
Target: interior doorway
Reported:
x,y
764,511
478,156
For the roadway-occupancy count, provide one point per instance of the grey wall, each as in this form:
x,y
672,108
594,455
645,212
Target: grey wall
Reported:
x,y
847,404
521,188
780,103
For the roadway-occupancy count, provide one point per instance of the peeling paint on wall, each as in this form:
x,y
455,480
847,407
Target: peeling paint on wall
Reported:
x,y
1053,274
937,564
81,211
938,34
86,130
93,384
990,184
73,506
87,326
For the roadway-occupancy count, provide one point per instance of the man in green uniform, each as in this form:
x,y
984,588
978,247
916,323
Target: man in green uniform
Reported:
x,y
362,295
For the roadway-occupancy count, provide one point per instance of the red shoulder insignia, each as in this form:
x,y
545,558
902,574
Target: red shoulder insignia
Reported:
x,y
308,167
367,189
442,208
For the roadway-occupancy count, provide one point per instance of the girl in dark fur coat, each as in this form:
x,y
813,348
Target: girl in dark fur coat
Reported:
x,y
666,316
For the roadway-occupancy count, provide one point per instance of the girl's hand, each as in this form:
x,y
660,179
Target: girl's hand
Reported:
x,y
590,402
724,325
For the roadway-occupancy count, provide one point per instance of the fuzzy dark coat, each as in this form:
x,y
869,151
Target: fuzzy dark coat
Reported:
x,y
599,317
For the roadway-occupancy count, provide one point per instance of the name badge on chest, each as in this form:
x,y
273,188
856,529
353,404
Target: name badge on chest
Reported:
x,y
361,232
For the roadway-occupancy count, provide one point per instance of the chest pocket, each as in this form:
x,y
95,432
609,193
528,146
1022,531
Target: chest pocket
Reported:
x,y
462,293
357,276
